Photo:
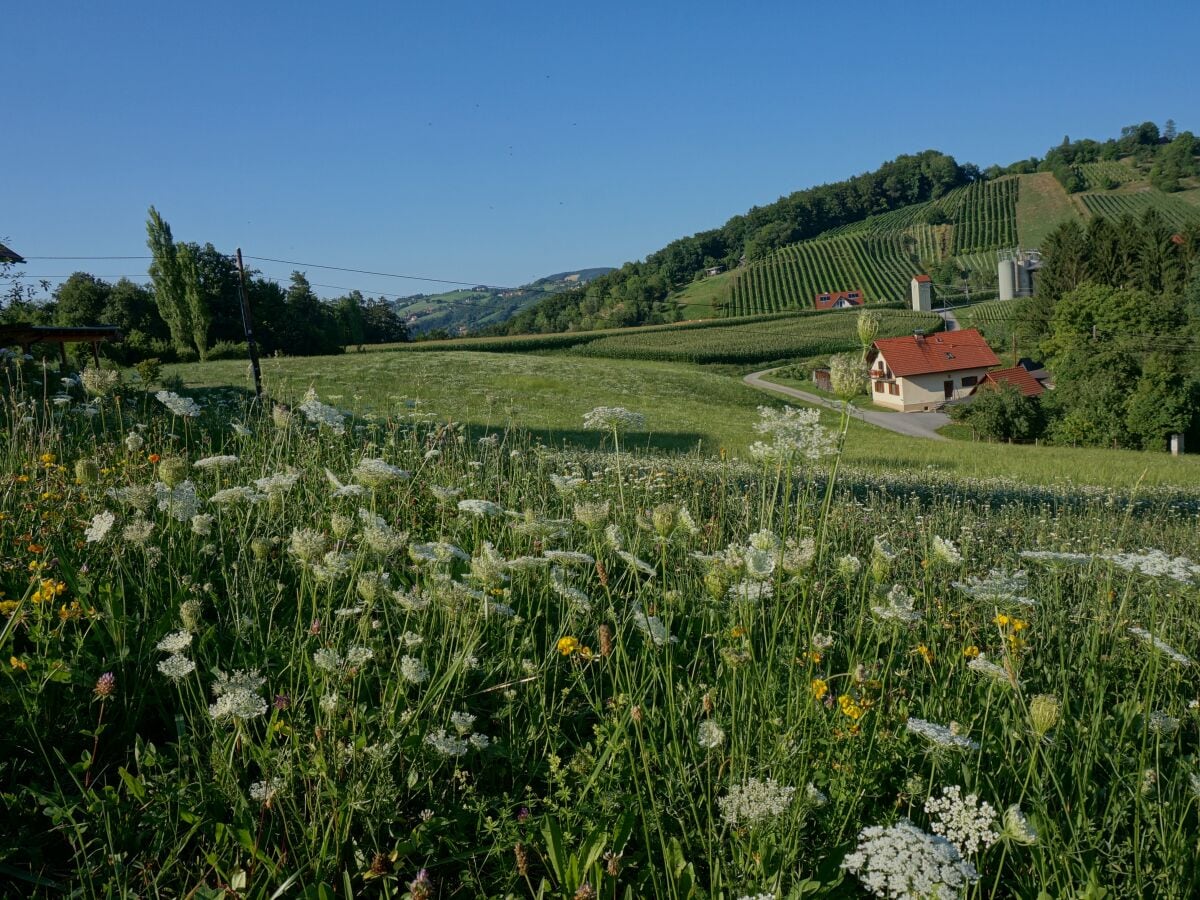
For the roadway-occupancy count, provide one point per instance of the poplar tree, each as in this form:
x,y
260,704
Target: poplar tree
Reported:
x,y
198,311
169,290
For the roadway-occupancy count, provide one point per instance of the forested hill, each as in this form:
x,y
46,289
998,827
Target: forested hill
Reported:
x,y
945,218
637,293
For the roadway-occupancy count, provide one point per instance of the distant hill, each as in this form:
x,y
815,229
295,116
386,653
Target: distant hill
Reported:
x,y
873,232
468,310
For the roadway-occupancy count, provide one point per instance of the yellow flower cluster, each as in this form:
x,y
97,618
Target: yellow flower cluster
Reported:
x,y
568,645
819,688
48,590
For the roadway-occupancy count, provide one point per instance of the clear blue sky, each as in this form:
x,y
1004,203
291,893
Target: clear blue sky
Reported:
x,y
498,142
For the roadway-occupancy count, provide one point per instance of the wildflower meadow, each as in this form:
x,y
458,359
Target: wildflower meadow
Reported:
x,y
253,650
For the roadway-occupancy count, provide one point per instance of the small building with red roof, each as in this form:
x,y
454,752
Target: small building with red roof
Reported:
x,y
1018,376
920,372
839,299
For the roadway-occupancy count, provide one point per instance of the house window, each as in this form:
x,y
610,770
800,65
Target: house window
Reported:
x,y
879,387
893,389
970,381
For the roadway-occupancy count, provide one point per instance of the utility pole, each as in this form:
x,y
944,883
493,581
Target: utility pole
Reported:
x,y
248,327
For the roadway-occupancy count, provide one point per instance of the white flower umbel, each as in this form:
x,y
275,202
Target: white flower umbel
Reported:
x,y
755,801
569,558
1160,645
175,642
180,406
794,434
319,414
652,627
566,484
481,509
1017,828
237,697
179,502
176,666
1157,564
215,462
343,490
939,735
967,822
945,552
902,862
898,607
989,669
102,524
376,473
279,483
614,418
998,587
413,670
446,744
710,735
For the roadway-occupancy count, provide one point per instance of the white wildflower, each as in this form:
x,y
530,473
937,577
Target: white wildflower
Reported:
x,y
566,484
176,666
1017,828
899,607
175,642
413,670
376,473
939,735
344,490
215,462
319,414
179,502
202,524
1160,645
480,508
755,801
180,406
710,735
446,744
944,551
102,524
903,862
614,418
966,822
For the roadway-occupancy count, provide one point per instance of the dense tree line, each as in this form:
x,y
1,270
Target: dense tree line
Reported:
x,y
1168,155
636,294
1117,317
192,308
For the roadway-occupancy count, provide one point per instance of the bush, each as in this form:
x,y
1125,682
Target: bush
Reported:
x,y
149,370
229,350
1002,413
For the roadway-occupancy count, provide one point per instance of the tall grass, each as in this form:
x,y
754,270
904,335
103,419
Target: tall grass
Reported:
x,y
727,627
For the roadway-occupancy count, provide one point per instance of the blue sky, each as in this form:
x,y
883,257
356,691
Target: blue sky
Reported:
x,y
496,143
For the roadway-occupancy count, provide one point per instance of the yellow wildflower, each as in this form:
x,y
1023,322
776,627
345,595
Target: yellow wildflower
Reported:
x,y
971,652
850,707
17,664
819,688
567,645
925,653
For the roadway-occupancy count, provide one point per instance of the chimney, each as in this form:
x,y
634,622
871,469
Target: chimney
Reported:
x,y
919,336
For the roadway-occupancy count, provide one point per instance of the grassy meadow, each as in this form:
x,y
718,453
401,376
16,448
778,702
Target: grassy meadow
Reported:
x,y
462,625
693,408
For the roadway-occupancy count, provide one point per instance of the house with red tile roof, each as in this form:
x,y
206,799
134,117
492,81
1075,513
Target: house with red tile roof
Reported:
x,y
839,299
920,372
1017,376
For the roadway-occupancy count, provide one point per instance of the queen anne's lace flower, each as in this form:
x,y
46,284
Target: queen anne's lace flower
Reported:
x,y
755,801
375,473
179,502
903,862
710,735
566,484
480,508
1160,645
102,524
795,434
966,822
898,607
413,670
175,642
215,462
319,414
176,666
940,735
614,418
180,406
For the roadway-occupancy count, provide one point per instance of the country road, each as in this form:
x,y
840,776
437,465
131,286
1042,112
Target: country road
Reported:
x,y
917,424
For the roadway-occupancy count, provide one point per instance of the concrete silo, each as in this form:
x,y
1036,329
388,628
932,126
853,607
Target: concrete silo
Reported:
x,y
1015,269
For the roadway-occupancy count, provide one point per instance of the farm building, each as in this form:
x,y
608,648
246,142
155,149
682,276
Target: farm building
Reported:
x,y
920,373
714,270
838,299
1017,376
9,256
922,293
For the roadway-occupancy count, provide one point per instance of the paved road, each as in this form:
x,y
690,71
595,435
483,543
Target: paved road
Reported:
x,y
915,424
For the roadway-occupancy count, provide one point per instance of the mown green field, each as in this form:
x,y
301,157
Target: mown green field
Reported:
x,y
685,406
